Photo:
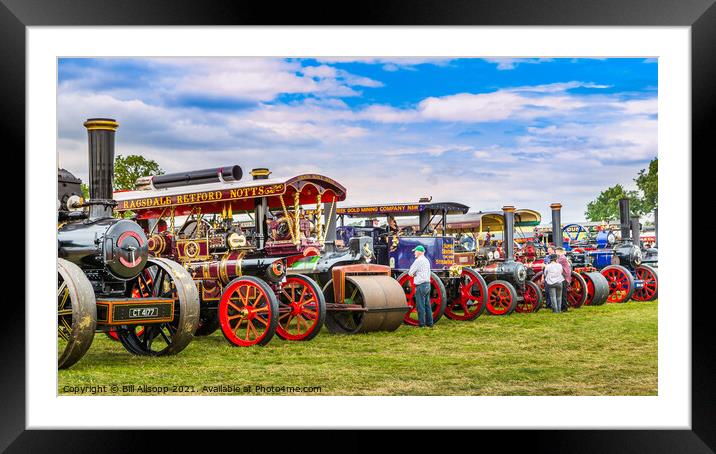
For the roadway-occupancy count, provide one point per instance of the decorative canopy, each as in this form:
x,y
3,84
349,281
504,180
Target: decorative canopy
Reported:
x,y
492,220
236,195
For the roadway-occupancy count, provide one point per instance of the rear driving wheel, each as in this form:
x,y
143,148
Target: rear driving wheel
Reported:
x,y
76,314
438,298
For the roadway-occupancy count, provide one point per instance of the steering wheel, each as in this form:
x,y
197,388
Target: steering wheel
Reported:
x,y
575,233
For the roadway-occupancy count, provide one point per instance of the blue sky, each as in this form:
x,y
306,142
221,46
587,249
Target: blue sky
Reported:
x,y
484,132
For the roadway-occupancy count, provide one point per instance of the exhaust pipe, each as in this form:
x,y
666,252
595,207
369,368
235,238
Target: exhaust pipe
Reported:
x,y
508,233
101,133
557,224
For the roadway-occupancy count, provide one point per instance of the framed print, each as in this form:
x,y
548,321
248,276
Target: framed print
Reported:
x,y
247,214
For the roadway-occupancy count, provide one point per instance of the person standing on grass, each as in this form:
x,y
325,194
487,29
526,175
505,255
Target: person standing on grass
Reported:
x,y
553,280
420,271
547,259
566,272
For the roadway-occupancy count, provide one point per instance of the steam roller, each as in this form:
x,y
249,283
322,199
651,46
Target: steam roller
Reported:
x,y
363,298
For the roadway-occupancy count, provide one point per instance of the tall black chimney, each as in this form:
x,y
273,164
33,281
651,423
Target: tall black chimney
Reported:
x,y
624,216
635,230
656,227
556,224
508,233
101,164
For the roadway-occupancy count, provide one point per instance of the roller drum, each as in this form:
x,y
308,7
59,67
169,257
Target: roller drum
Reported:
x,y
601,288
382,299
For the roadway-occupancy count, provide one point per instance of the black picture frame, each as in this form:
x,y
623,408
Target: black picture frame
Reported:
x,y
700,15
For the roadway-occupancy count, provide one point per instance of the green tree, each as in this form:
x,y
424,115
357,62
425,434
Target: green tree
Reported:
x,y
606,205
648,183
127,170
85,191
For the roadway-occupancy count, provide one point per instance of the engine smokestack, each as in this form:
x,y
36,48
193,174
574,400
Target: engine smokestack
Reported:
x,y
636,230
101,133
624,215
556,224
508,233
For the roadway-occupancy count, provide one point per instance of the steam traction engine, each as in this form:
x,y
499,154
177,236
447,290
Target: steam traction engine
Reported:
x,y
588,287
457,291
259,280
105,278
508,288
621,261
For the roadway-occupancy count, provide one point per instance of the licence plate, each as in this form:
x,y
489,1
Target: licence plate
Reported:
x,y
144,312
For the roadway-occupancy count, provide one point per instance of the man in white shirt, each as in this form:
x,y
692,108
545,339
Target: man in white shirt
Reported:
x,y
553,279
420,271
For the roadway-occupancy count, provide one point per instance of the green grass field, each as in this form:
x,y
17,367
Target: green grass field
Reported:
x,y
607,350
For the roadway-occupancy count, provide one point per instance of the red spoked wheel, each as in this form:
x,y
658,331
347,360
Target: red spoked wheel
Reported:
x,y
531,298
302,309
248,312
621,283
438,298
501,298
651,284
470,300
576,291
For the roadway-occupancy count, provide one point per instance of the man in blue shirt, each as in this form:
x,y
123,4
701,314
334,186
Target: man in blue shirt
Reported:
x,y
420,271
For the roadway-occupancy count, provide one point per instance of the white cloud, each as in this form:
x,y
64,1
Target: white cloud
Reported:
x,y
247,79
633,139
379,152
486,107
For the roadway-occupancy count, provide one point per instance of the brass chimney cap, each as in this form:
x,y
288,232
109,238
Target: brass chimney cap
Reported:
x,y
108,124
508,208
260,173
556,206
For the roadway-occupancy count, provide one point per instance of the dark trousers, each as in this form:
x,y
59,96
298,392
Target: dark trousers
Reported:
x,y
565,289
